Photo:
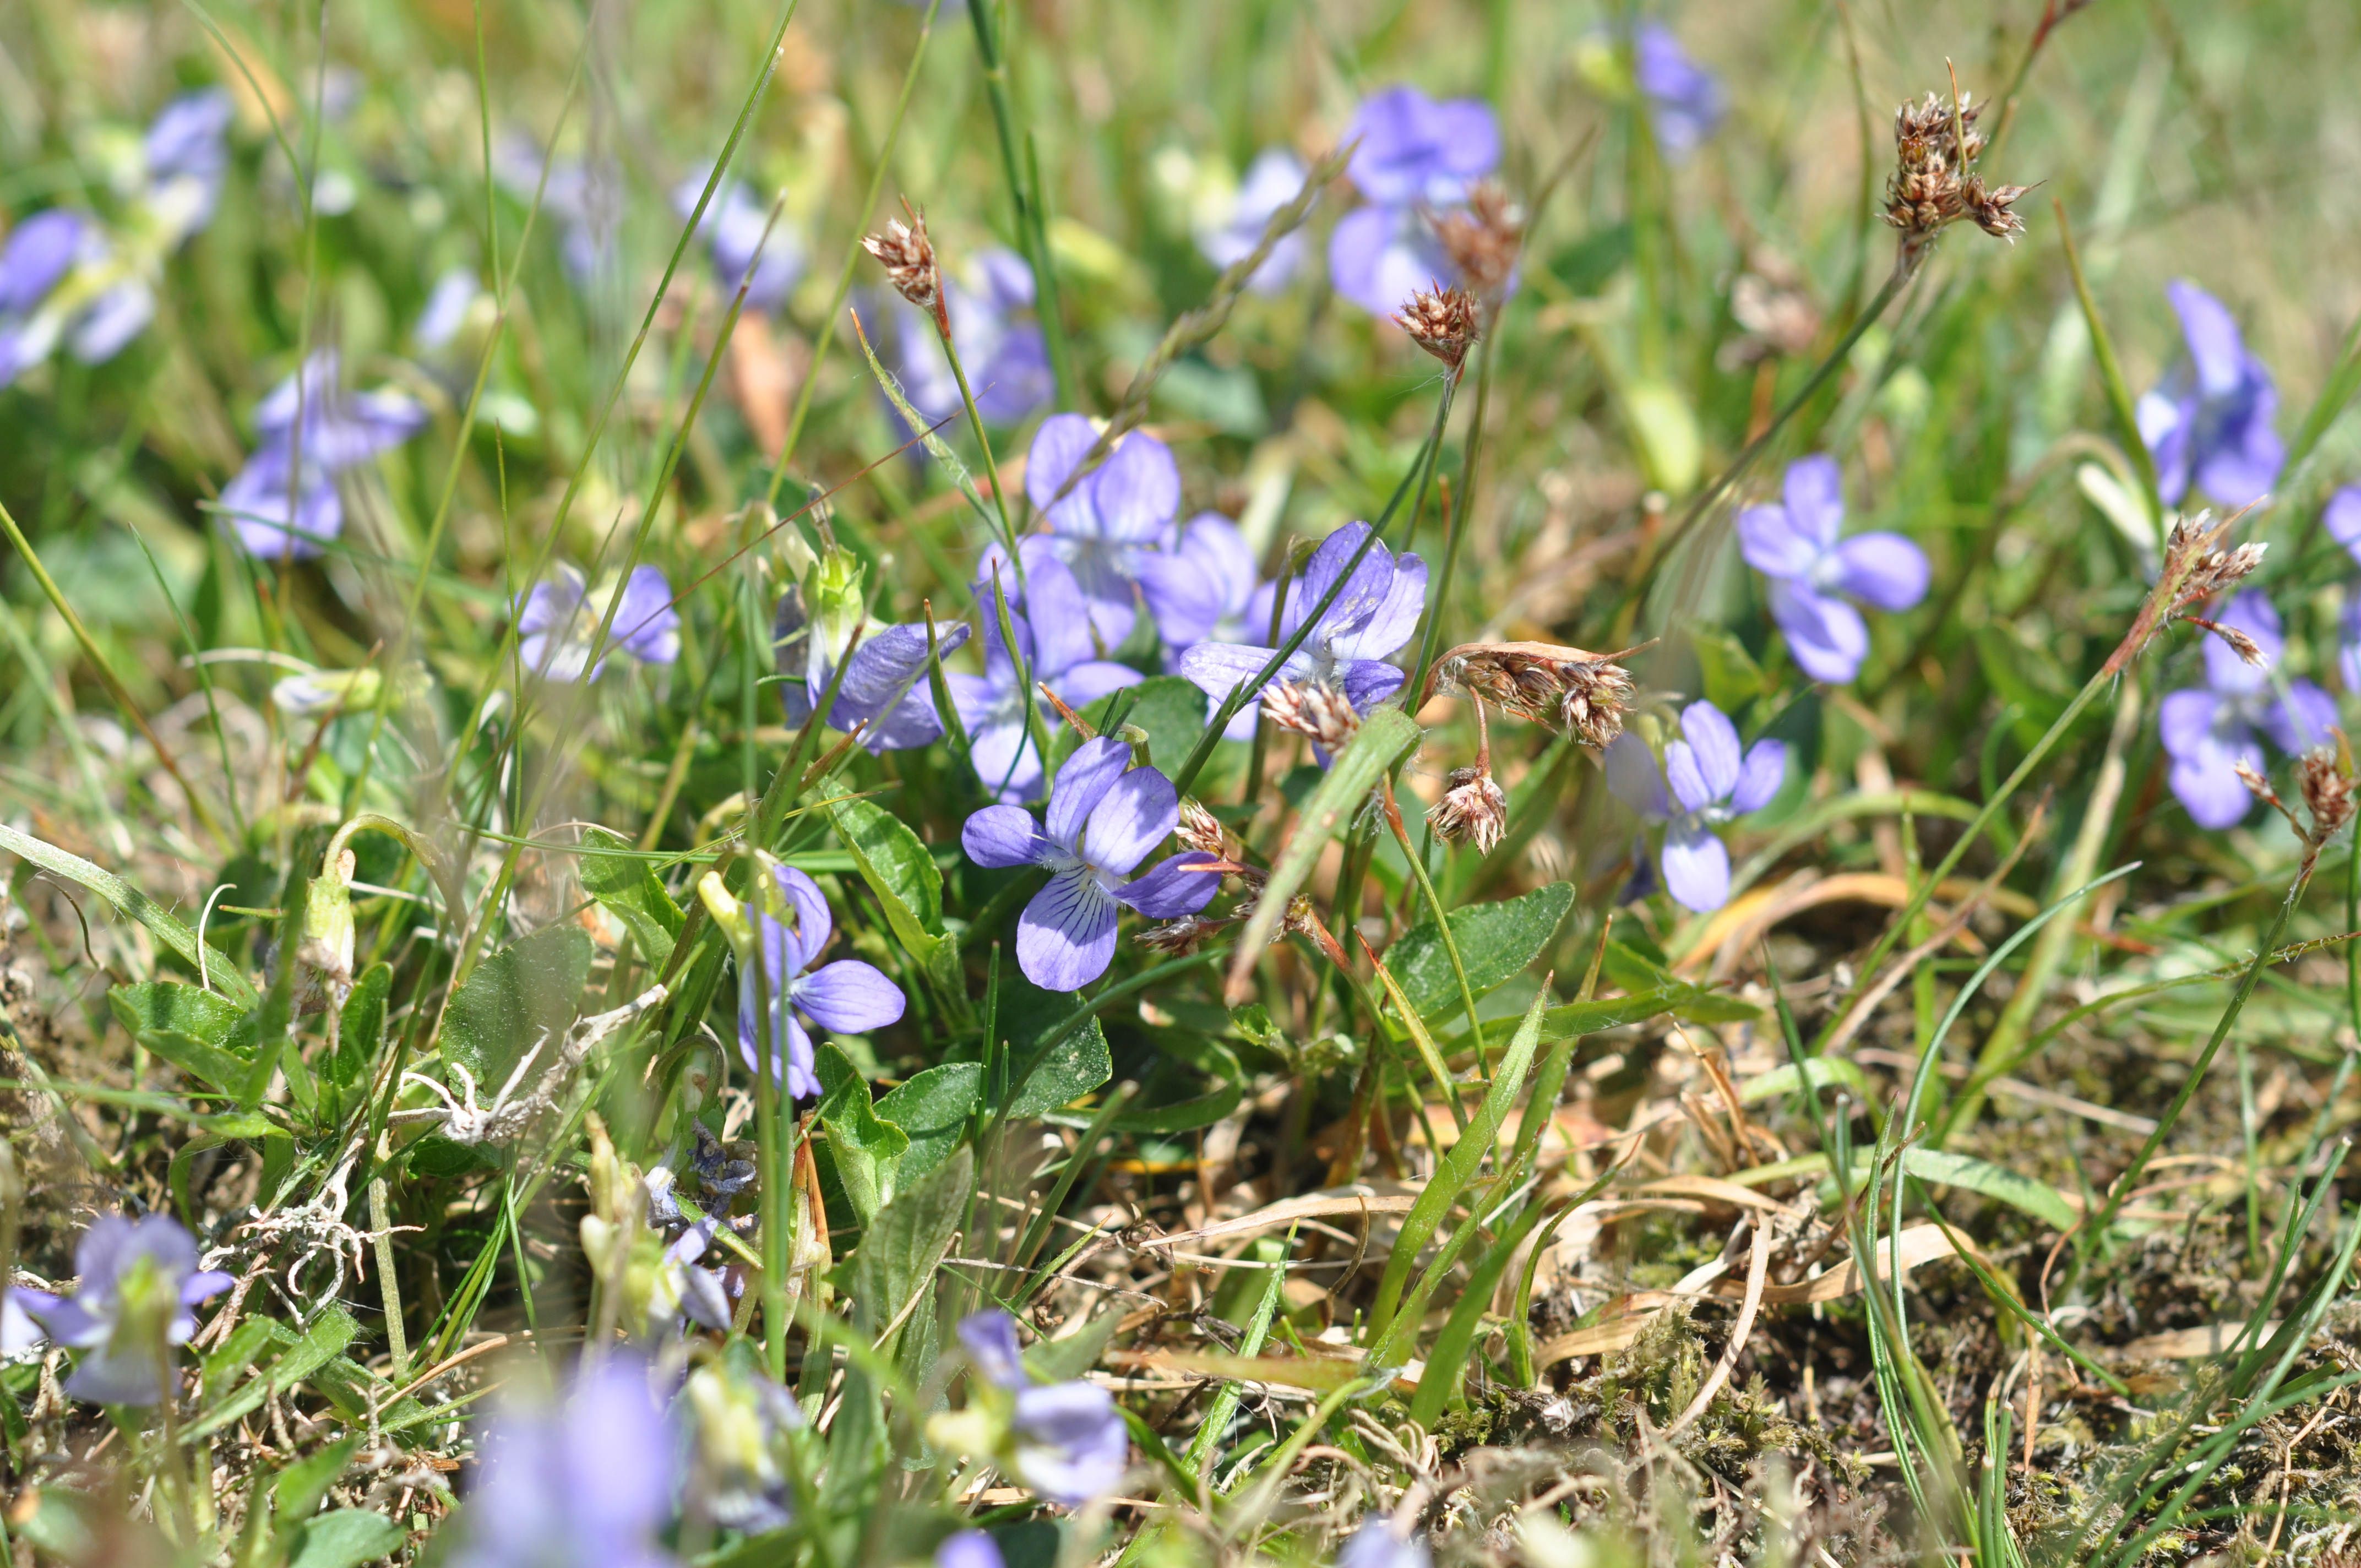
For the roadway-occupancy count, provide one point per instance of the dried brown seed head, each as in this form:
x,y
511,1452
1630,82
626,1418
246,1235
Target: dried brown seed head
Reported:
x,y
908,257
1582,692
1473,808
1483,240
1443,321
1934,184
1313,708
2324,775
1179,938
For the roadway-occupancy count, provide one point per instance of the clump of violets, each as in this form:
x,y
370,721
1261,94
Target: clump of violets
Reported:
x,y
2208,422
1228,220
284,503
560,619
1052,626
1372,619
777,934
746,248
587,1480
989,304
1415,157
1684,101
65,277
1066,1440
1816,576
1102,523
138,1280
1712,782
1104,818
2209,731
885,686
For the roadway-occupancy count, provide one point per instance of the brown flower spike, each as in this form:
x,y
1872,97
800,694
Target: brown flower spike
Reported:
x,y
1313,708
1484,240
1934,185
908,257
1443,321
1582,692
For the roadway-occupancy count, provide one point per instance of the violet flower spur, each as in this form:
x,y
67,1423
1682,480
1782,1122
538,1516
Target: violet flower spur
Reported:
x,y
588,1481
1053,638
1104,818
138,1280
1372,618
1110,517
1813,574
1712,784
1228,229
2208,422
847,997
1415,155
275,510
1685,99
1071,1444
1005,357
560,619
885,685
2208,731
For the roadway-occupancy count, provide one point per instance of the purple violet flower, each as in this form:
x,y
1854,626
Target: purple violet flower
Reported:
x,y
590,1481
39,253
2209,730
2348,657
968,1548
1005,357
1108,520
1711,783
138,1280
1072,1444
560,617
1375,1545
732,230
1813,574
1685,99
887,685
1229,234
847,997
1053,637
341,430
742,1423
2209,420
187,153
1415,156
1372,619
1104,818
2342,517
1204,587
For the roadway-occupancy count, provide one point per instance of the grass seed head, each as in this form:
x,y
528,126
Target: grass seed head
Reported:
x,y
1443,321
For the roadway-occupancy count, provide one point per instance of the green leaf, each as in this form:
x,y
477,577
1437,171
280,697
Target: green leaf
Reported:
x,y
1732,677
526,991
904,1247
2038,1199
868,1151
1066,1358
1386,734
1496,941
168,1005
361,1027
301,1485
345,1538
217,966
628,888
1579,1019
1824,1073
1050,1064
1182,1116
932,1109
1168,708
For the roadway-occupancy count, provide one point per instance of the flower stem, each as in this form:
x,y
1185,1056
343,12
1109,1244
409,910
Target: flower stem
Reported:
x,y
1456,524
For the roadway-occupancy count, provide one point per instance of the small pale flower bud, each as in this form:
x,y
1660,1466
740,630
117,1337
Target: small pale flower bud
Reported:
x,y
1198,829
